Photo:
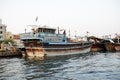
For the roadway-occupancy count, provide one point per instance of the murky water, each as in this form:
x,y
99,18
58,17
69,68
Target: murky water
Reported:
x,y
100,66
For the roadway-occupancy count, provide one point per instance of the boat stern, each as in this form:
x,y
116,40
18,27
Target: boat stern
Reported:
x,y
35,52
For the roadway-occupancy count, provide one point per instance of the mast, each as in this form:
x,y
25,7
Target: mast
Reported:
x,y
58,30
69,33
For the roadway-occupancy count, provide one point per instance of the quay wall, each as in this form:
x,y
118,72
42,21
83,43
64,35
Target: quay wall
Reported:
x,y
10,53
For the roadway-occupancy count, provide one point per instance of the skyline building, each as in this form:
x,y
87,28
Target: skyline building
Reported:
x,y
2,31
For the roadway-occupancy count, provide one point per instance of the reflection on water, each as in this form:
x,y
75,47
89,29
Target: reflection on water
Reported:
x,y
100,66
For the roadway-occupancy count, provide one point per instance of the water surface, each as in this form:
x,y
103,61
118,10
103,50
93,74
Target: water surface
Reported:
x,y
100,66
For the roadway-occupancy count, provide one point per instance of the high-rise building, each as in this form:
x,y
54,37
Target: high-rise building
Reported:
x,y
2,31
0,21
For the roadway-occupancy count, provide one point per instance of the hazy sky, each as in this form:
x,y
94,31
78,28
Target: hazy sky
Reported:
x,y
99,17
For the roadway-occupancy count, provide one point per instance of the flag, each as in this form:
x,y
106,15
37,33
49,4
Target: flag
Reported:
x,y
36,19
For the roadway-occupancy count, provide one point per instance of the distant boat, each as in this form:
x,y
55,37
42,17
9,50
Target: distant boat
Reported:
x,y
117,43
44,41
117,46
109,44
97,43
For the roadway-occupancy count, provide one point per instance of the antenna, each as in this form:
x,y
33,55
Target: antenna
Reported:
x,y
69,33
58,30
36,19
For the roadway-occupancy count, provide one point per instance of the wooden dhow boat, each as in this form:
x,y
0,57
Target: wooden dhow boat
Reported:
x,y
117,43
109,44
44,41
98,44
117,46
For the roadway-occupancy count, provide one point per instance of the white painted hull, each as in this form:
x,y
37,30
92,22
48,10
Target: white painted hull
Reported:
x,y
55,53
60,53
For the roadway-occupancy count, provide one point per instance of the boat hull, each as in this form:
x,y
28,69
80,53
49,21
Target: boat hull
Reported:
x,y
34,52
57,50
67,52
54,52
110,46
98,47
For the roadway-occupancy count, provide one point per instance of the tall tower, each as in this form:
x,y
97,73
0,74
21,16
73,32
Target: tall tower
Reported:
x,y
2,31
0,21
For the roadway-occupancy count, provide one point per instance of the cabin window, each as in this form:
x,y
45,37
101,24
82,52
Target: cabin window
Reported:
x,y
45,30
0,36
